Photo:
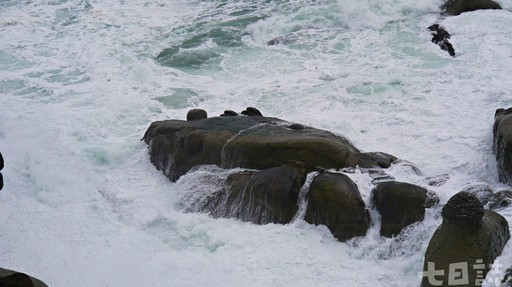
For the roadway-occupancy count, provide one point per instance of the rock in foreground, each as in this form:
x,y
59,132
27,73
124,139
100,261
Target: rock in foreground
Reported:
x,y
463,248
10,278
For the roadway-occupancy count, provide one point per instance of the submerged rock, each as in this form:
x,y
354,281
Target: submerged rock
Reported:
x,y
334,201
507,279
10,278
501,199
254,142
400,204
465,245
456,7
481,190
502,144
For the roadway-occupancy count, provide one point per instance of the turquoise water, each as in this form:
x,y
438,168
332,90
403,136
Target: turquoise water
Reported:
x,y
81,80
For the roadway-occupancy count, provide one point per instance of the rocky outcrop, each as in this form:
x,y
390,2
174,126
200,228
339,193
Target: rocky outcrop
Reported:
x,y
502,144
456,7
254,142
501,199
441,38
268,196
10,278
465,245
334,201
277,156
400,204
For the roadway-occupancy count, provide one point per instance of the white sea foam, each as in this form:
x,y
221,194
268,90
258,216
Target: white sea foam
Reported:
x,y
79,84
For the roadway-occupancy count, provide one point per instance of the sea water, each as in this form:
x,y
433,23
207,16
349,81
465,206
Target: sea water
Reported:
x,y
81,80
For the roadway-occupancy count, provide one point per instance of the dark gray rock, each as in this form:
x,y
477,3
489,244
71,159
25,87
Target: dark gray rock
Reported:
x,y
502,146
456,7
334,201
253,142
468,235
441,38
196,114
251,111
229,113
501,199
10,278
400,204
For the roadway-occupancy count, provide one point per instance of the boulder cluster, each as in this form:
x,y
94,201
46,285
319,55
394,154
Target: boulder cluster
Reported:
x,y
275,158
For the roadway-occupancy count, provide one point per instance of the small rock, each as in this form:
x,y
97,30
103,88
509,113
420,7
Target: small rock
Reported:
x,y
253,112
229,113
196,114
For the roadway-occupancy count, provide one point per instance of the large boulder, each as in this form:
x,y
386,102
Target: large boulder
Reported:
x,y
254,142
465,245
268,196
400,204
10,278
334,201
502,146
456,7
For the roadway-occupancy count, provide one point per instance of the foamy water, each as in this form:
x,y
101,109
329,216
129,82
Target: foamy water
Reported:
x,y
81,80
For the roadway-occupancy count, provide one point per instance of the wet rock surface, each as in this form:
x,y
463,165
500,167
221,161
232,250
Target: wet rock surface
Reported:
x,y
334,201
502,143
468,236
399,205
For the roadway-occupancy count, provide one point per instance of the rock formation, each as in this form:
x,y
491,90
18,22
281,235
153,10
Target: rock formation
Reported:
x,y
502,146
261,197
440,37
463,248
334,201
254,142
